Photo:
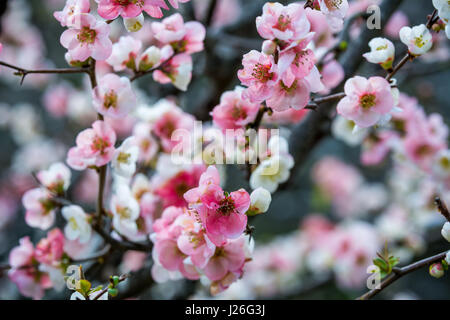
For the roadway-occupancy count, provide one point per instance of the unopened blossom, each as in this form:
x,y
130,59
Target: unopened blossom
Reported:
x,y
134,24
49,250
95,147
382,52
125,158
259,75
177,71
418,39
56,178
437,270
72,8
114,97
89,38
260,201
111,9
183,37
124,53
40,209
272,172
366,100
234,111
446,231
285,23
78,226
125,211
335,12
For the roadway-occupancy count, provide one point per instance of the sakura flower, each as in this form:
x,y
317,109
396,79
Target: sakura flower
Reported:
x,y
89,38
272,172
367,100
260,201
72,8
125,158
209,177
285,23
259,75
382,52
114,97
125,211
40,209
183,37
50,249
56,178
111,9
78,226
124,53
95,147
177,71
234,111
335,12
134,24
418,39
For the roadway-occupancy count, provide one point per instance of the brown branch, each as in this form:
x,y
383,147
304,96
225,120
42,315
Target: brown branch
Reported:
x,y
442,208
24,72
400,272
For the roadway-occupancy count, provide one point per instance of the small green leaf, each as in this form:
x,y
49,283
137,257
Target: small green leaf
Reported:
x,y
113,292
85,286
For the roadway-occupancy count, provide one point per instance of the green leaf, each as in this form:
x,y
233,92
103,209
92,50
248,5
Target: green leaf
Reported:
x,y
85,286
113,292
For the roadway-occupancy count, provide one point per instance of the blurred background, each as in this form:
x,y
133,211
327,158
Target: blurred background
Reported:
x,y
40,119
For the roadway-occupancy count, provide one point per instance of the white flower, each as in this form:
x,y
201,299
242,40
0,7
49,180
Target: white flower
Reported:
x,y
150,58
78,226
78,296
382,51
271,172
134,24
446,231
260,200
418,39
343,129
183,77
124,53
125,211
125,158
56,178
443,8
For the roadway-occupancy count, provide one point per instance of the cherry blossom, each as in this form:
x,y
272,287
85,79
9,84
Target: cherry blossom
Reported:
x,y
111,9
335,12
40,209
125,53
125,158
56,178
382,52
178,71
418,39
77,227
67,17
89,38
50,250
260,201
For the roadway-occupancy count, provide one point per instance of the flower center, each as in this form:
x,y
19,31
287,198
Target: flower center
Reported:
x,y
110,100
367,101
238,113
123,157
123,212
382,47
283,23
124,3
87,35
262,72
418,41
226,206
73,223
99,144
333,4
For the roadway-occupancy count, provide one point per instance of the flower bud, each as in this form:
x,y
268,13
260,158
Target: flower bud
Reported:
x,y
134,24
382,52
436,270
446,231
269,47
260,201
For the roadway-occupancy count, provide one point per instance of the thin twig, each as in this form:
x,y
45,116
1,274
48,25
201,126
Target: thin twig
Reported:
x,y
121,279
442,208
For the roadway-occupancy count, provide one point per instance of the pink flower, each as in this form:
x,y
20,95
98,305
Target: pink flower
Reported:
x,y
375,149
259,75
177,70
229,258
234,111
56,178
56,99
89,38
222,214
113,96
50,250
163,224
125,53
367,100
111,9
24,273
332,75
397,21
40,209
95,147
209,177
285,23
71,9
194,242
335,12
183,37
172,190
